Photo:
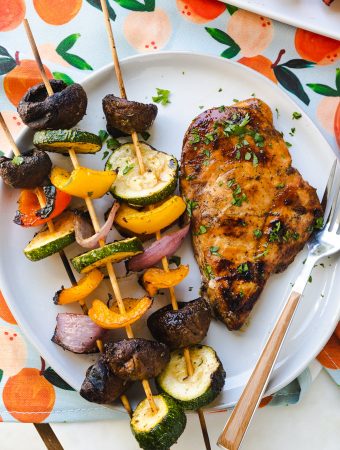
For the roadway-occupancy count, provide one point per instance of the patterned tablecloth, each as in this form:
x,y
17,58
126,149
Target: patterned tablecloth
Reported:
x,y
72,42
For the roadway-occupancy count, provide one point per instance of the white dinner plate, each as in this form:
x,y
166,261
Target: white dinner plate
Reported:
x,y
195,81
312,15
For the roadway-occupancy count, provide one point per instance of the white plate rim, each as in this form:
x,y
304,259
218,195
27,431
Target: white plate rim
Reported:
x,y
24,325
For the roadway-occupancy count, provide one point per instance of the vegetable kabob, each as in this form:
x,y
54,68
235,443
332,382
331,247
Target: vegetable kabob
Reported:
x,y
78,184
39,201
154,278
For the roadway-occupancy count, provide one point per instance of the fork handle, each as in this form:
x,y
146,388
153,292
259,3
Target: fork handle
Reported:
x,y
239,420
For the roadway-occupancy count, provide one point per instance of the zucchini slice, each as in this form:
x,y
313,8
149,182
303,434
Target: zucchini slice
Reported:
x,y
202,387
161,430
114,252
45,242
157,183
61,141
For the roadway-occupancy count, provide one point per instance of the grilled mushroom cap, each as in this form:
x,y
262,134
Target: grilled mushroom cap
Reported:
x,y
186,326
64,109
128,116
101,385
136,359
29,171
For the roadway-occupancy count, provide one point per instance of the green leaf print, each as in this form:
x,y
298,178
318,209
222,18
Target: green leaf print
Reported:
x,y
231,51
74,60
231,9
7,63
56,380
337,80
220,36
323,89
63,77
291,82
1,374
96,4
298,64
134,5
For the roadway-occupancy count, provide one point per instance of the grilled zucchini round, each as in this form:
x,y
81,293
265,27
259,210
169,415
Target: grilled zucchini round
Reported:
x,y
157,183
161,430
202,387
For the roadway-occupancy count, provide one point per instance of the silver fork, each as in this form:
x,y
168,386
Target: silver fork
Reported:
x,y
326,242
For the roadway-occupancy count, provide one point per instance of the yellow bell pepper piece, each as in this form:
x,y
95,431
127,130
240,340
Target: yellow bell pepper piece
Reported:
x,y
154,278
83,182
83,289
150,221
109,319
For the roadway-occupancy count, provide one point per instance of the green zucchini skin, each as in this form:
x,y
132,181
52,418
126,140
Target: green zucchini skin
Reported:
x,y
217,380
153,197
131,245
61,141
167,431
39,248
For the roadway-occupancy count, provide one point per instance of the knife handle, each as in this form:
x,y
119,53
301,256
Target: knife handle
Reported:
x,y
236,426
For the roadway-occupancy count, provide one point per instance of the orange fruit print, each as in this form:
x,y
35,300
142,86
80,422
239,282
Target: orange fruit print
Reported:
x,y
261,64
314,47
25,75
200,11
5,313
12,13
330,355
28,396
57,12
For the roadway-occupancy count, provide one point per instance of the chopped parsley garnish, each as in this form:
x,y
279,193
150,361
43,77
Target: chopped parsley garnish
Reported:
x,y
209,137
145,135
236,126
221,108
191,205
280,186
238,196
214,250
220,90
236,100
292,131
112,143
190,177
247,156
230,182
17,160
257,233
310,279
289,234
318,225
195,137
128,168
277,113
243,268
201,106
89,194
259,140
103,135
264,253
162,96
209,272
206,152
202,230
253,94
288,144
105,154
174,259
296,115
238,154
274,233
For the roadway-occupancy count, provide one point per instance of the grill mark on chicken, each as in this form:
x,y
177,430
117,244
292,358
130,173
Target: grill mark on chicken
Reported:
x,y
249,203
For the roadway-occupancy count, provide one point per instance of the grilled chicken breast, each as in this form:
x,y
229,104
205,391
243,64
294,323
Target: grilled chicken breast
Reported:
x,y
251,211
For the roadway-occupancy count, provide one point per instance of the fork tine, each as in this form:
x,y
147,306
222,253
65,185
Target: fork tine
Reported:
x,y
333,209
325,203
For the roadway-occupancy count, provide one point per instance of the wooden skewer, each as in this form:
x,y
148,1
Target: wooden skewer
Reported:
x,y
134,136
93,216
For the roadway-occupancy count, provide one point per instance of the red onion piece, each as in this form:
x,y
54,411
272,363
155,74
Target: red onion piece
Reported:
x,y
166,246
81,229
77,333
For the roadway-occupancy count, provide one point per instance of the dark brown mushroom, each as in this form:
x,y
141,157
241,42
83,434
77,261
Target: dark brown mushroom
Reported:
x,y
27,171
101,385
186,326
136,359
64,109
127,116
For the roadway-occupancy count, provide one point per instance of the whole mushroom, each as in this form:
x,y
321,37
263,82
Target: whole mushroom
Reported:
x,y
64,109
